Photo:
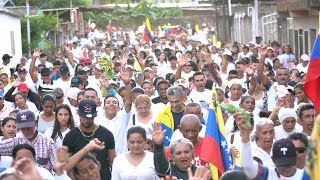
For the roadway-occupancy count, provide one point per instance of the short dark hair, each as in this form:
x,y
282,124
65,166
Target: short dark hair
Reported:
x,y
88,156
23,146
90,89
56,63
234,174
162,82
137,90
299,136
191,105
43,55
7,119
304,108
240,62
233,72
137,129
110,96
197,74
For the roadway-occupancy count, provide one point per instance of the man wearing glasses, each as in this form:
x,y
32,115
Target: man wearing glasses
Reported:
x,y
300,141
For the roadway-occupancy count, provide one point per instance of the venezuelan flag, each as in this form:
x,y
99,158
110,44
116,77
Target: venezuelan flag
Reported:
x,y
170,29
147,32
312,83
215,146
312,170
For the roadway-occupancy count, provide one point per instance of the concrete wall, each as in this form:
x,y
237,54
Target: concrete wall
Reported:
x,y
10,23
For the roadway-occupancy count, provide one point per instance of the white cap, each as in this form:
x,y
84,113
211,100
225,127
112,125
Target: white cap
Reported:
x,y
305,57
285,113
281,91
234,81
113,82
86,69
147,68
269,48
73,93
227,52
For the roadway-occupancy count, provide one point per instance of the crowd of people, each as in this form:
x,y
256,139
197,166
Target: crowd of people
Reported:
x,y
64,119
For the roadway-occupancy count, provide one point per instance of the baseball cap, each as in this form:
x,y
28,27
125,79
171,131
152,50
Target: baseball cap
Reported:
x,y
22,70
305,57
284,153
23,87
64,70
75,81
130,60
86,69
6,56
45,71
87,109
73,93
25,119
88,61
147,69
113,82
117,63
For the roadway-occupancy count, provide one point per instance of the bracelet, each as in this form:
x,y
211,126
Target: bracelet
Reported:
x,y
127,82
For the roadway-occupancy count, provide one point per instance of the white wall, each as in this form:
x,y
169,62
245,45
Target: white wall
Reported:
x,y
10,23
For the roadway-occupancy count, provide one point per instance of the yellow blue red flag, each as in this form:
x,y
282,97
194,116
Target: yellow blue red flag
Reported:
x,y
147,35
215,146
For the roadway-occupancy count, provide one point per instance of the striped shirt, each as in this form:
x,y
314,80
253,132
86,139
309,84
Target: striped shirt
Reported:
x,y
44,147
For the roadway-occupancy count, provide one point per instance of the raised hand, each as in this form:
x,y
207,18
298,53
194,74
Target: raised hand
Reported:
x,y
26,169
16,83
125,76
157,133
36,53
104,82
182,60
202,173
62,158
67,48
241,123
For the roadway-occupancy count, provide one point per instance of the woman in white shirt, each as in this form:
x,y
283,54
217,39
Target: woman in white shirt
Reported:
x,y
261,147
144,116
46,117
137,163
147,88
63,123
9,130
21,103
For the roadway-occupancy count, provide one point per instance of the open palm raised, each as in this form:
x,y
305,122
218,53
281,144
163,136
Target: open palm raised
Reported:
x,y
158,134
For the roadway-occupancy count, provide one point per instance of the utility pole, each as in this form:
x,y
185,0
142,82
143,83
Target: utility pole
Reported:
x,y
224,21
28,27
255,20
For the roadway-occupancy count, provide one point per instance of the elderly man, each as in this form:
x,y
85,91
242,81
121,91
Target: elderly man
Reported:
x,y
191,108
44,146
171,115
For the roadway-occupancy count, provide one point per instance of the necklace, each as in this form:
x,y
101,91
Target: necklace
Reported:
x,y
88,137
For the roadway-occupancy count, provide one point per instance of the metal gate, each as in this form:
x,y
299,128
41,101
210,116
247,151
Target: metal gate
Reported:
x,y
270,27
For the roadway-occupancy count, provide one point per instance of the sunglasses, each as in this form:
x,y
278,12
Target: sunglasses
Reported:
x,y
187,65
300,150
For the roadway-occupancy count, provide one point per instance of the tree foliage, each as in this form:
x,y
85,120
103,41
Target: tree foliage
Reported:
x,y
39,25
135,16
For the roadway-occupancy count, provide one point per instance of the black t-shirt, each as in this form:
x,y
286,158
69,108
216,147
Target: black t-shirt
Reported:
x,y
157,100
75,142
177,117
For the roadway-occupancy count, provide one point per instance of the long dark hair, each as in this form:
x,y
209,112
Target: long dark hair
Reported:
x,y
56,127
14,97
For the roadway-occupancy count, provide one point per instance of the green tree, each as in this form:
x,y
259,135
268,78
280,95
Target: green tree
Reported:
x,y
39,25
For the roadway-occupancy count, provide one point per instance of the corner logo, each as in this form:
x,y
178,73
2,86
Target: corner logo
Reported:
x,y
87,108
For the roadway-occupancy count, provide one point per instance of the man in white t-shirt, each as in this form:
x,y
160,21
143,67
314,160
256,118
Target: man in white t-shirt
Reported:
x,y
200,94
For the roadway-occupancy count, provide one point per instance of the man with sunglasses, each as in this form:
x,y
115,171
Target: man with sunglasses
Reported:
x,y
44,85
300,141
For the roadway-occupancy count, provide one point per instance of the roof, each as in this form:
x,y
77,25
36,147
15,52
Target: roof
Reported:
x,y
6,11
